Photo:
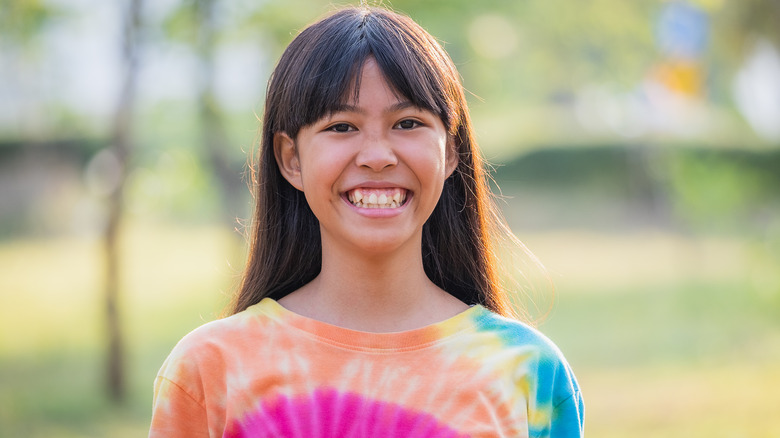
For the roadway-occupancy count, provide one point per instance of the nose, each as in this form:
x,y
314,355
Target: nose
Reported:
x,y
376,153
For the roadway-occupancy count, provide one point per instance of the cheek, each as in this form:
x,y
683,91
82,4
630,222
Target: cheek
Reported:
x,y
428,161
319,171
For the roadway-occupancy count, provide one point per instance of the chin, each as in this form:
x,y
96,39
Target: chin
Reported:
x,y
383,245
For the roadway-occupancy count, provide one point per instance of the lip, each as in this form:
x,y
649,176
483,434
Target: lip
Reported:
x,y
377,185
377,212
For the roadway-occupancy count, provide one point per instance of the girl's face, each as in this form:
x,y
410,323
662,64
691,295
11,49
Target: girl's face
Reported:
x,y
372,172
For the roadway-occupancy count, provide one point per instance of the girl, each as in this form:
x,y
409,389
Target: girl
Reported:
x,y
370,305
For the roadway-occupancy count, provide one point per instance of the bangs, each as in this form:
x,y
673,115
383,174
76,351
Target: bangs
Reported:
x,y
329,58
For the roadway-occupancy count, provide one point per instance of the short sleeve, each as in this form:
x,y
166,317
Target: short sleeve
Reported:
x,y
176,413
568,418
559,407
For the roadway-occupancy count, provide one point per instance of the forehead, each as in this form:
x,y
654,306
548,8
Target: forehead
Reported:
x,y
371,83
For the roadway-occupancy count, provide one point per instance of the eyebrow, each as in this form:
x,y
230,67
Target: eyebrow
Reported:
x,y
346,107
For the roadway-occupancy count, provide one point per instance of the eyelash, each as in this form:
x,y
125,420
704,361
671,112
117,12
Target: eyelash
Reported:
x,y
416,124
345,127
335,127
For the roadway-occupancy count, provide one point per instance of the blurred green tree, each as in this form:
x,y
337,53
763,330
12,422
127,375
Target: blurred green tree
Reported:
x,y
196,23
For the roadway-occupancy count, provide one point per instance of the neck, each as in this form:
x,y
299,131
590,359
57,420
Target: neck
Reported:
x,y
373,292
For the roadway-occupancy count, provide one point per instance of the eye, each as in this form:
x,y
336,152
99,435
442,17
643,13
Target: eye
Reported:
x,y
340,127
408,124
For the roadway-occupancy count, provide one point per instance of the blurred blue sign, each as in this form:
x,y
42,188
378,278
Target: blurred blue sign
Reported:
x,y
682,30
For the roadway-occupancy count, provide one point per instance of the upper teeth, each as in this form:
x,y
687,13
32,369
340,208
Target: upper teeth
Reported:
x,y
383,198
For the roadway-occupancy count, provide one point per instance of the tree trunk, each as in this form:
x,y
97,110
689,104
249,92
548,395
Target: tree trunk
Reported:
x,y
121,145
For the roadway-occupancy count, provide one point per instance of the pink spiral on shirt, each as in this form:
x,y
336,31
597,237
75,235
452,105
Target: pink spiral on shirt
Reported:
x,y
327,413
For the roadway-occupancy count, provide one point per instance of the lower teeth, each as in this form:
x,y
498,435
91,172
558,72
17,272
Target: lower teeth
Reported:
x,y
360,204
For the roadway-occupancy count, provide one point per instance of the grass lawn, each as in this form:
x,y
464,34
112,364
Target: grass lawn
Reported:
x,y
669,336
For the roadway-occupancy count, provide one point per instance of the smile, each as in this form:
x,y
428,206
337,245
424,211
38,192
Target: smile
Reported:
x,y
377,198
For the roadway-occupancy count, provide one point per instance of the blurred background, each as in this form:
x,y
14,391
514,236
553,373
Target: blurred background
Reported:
x,y
636,146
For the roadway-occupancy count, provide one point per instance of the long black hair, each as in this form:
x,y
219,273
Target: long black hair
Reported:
x,y
319,71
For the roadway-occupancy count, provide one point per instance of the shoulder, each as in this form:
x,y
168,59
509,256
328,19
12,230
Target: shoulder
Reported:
x,y
533,355
194,379
514,334
212,342
542,370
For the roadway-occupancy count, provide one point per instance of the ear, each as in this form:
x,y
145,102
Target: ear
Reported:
x,y
286,156
451,156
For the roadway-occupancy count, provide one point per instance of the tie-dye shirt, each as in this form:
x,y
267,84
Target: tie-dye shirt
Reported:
x,y
269,372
